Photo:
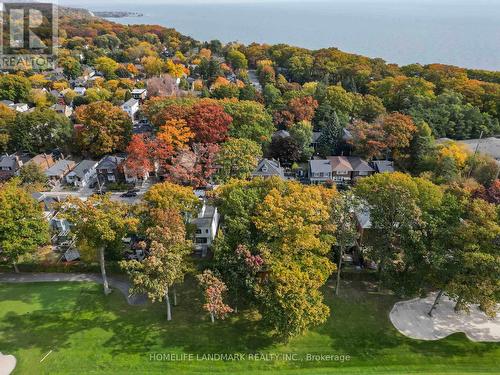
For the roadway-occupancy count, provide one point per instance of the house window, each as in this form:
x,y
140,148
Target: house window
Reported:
x,y
201,240
264,168
198,231
206,230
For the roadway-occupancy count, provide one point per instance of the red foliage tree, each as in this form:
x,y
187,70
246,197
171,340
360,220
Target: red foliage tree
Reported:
x,y
214,290
193,167
209,122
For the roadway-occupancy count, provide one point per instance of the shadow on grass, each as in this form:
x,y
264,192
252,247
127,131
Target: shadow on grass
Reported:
x,y
359,325
71,308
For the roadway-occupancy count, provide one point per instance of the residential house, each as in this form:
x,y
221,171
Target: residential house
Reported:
x,y
63,109
83,174
381,166
80,90
9,166
110,169
44,161
320,171
487,146
340,169
207,224
131,106
139,94
57,172
18,107
268,168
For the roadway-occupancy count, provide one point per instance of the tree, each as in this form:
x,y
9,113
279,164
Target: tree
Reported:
x,y
331,135
399,93
237,158
214,290
7,117
422,147
175,134
284,149
71,66
14,87
368,107
99,222
276,238
41,130
107,66
209,122
23,227
153,66
32,174
167,195
140,158
343,216
250,121
237,59
168,254
193,167
399,206
105,129
302,133
469,264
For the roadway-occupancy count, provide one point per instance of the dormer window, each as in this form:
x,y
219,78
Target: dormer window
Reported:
x,y
264,168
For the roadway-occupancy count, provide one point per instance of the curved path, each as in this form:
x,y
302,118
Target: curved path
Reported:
x,y
115,282
411,319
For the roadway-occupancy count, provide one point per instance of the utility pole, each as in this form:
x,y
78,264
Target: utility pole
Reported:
x,y
473,160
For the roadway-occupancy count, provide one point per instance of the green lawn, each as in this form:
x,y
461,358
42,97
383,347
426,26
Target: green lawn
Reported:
x,y
89,333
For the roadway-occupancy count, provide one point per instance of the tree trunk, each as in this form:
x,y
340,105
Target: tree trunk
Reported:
x,y
379,271
338,270
436,301
175,296
212,317
103,271
167,300
16,269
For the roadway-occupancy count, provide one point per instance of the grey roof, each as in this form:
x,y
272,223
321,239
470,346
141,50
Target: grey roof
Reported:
x,y
138,91
320,166
364,217
7,161
281,134
83,167
383,166
268,167
60,168
110,162
316,136
130,102
488,146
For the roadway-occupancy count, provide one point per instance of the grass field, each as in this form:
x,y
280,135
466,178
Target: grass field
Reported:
x,y
92,334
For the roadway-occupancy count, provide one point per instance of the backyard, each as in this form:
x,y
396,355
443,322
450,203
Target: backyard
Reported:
x,y
84,332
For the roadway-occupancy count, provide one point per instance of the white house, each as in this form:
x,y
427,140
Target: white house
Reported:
x,y
131,106
79,90
207,224
83,173
139,94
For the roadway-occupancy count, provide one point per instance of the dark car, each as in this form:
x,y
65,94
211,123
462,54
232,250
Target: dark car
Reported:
x,y
129,194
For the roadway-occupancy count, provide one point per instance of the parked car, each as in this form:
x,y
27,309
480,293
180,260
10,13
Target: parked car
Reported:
x,y
129,194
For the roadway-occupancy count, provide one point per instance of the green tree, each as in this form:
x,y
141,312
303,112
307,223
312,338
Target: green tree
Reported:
x,y
105,129
168,257
302,133
41,130
99,223
237,158
237,59
331,136
32,174
14,87
23,227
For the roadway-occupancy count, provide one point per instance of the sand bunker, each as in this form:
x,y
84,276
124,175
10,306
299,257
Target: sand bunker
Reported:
x,y
7,364
411,319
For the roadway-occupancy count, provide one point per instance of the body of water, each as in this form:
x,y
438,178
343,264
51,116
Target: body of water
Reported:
x,y
458,32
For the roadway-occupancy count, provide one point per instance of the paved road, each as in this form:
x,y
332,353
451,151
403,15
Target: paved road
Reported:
x,y
115,282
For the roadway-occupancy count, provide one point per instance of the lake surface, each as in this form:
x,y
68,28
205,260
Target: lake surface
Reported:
x,y
458,32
